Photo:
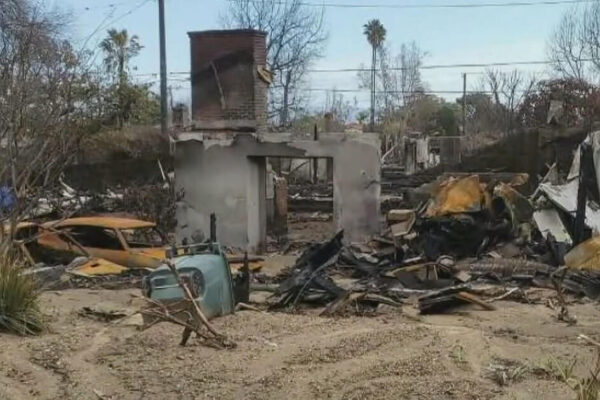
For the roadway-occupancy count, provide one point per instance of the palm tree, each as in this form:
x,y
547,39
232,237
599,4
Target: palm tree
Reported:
x,y
119,48
375,33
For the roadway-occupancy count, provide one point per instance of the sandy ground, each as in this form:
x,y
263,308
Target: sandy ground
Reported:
x,y
304,228
394,355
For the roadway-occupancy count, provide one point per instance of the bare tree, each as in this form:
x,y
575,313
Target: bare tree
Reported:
x,y
508,90
339,108
296,38
399,87
410,61
387,94
287,99
591,33
399,81
43,105
574,47
567,47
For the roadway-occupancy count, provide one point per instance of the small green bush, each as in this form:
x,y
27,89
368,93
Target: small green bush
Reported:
x,y
19,294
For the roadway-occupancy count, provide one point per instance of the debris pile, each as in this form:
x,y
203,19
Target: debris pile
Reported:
x,y
469,240
472,237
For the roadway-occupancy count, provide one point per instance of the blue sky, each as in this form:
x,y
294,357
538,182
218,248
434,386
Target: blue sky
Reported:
x,y
449,36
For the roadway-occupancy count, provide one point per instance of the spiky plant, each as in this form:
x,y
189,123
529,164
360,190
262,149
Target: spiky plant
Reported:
x,y
19,294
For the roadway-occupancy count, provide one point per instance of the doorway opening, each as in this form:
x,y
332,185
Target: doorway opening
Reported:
x,y
299,194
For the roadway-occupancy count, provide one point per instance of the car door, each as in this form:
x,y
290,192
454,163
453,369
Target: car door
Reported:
x,y
102,242
143,252
54,240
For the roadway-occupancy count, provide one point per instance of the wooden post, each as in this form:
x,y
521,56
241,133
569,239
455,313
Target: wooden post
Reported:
x,y
329,129
464,105
315,169
586,163
213,227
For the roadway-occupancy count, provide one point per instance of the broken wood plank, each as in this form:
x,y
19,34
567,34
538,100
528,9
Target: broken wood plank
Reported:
x,y
471,298
340,303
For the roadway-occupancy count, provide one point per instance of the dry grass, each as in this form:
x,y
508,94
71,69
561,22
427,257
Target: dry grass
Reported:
x,y
559,369
585,388
588,388
457,354
19,311
504,371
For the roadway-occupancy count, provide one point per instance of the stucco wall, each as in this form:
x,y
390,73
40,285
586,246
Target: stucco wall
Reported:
x,y
227,176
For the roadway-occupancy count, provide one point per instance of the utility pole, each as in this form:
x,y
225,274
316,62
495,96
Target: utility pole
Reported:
x,y
464,105
373,82
163,68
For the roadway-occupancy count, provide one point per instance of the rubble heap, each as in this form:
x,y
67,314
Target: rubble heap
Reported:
x,y
468,240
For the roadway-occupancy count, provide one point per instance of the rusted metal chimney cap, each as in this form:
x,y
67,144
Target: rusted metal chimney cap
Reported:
x,y
229,32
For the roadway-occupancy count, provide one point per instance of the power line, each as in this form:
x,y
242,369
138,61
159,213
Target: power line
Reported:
x,y
335,90
408,93
170,79
103,24
104,7
425,67
131,11
106,22
431,6
442,66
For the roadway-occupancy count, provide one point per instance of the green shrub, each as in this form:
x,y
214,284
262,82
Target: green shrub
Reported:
x,y
19,294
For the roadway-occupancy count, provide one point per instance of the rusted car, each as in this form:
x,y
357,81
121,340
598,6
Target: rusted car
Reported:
x,y
74,256
130,243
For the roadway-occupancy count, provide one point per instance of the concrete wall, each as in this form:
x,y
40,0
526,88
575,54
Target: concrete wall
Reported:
x,y
227,176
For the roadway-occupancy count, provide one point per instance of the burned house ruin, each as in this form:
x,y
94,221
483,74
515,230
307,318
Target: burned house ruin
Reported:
x,y
221,164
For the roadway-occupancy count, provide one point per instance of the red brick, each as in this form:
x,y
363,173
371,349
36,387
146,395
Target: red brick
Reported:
x,y
236,54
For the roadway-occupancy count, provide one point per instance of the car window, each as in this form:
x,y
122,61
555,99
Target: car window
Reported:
x,y
41,254
49,256
95,236
26,232
143,237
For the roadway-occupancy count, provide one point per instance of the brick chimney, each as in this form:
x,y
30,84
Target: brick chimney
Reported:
x,y
229,80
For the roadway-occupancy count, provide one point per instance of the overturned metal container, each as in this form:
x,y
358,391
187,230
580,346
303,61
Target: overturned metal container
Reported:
x,y
205,270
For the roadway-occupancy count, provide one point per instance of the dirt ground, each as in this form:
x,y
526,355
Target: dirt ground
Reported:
x,y
307,227
397,355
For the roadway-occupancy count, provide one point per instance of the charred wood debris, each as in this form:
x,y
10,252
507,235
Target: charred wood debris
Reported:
x,y
463,238
470,241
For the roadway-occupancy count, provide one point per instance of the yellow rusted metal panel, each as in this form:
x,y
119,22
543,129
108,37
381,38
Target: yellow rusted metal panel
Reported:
x,y
97,266
104,222
253,266
586,255
144,258
457,196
